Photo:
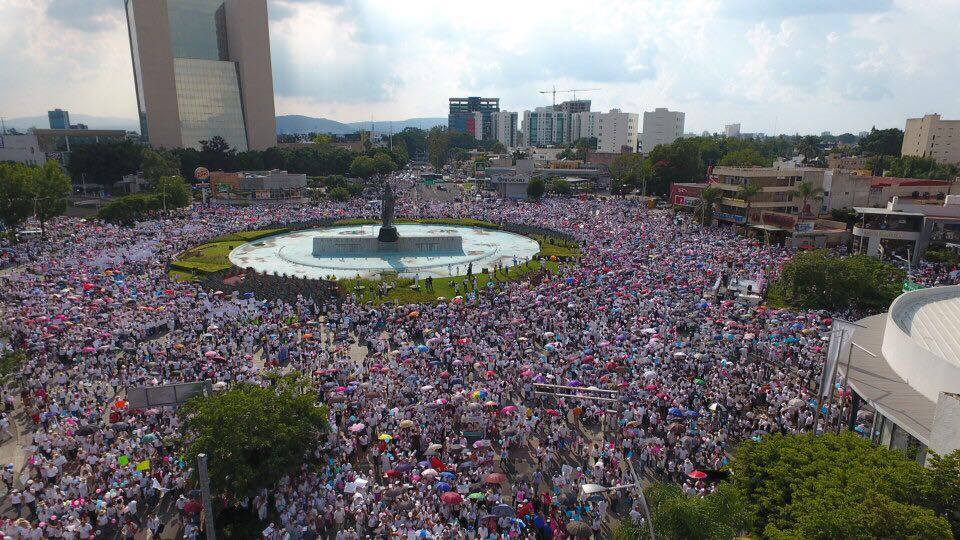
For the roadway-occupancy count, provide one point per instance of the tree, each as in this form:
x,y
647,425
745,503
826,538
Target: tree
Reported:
x,y
631,169
252,435
104,162
944,474
217,155
746,157
677,516
817,280
363,167
748,193
498,148
438,147
882,142
806,192
51,191
128,209
536,188
16,198
383,164
835,486
676,162
809,147
560,187
159,163
708,199
172,192
340,194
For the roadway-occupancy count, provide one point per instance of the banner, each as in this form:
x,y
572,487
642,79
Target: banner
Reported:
x,y
840,337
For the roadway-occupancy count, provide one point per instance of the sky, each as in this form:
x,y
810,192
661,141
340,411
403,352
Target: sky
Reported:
x,y
774,66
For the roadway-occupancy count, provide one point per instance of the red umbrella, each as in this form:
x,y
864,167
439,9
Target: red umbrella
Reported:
x,y
495,478
393,473
451,497
697,475
553,412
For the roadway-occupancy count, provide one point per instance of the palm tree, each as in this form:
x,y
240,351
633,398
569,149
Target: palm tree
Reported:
x,y
709,198
806,191
748,193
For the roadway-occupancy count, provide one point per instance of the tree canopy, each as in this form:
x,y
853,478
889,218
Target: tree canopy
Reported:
x,y
16,198
818,280
51,191
882,142
837,486
252,435
536,188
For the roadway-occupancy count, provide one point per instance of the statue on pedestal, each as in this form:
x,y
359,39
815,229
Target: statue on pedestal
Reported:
x,y
388,232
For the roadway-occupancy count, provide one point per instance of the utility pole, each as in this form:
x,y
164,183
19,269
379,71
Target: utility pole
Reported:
x,y
205,493
643,499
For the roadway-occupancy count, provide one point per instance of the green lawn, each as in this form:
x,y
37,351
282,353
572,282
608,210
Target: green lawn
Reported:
x,y
213,256
403,292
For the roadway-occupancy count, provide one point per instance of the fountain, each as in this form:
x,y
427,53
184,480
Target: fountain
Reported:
x,y
388,240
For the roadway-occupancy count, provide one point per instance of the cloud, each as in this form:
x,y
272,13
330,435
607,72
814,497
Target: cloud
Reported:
x,y
779,9
86,15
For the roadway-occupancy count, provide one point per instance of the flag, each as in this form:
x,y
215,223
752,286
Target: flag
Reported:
x,y
144,465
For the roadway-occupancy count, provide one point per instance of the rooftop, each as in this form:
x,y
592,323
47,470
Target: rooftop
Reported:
x,y
933,321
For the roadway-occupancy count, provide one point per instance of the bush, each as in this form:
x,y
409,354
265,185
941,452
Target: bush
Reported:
x,y
340,194
816,280
536,188
943,256
130,208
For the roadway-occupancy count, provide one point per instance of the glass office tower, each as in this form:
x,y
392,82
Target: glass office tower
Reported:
x,y
202,69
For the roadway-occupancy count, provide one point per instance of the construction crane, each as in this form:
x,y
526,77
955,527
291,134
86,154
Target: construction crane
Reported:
x,y
554,92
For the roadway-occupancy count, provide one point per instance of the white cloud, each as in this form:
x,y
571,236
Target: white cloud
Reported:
x,y
804,65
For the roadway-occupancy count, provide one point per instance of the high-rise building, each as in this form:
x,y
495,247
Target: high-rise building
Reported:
x,y
505,128
584,125
660,126
467,112
618,132
545,126
59,119
201,70
574,106
731,130
932,137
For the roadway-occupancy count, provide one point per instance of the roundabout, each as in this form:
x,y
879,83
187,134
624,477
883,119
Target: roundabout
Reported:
x,y
293,253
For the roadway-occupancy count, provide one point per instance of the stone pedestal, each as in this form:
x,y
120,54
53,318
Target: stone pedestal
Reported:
x,y
388,233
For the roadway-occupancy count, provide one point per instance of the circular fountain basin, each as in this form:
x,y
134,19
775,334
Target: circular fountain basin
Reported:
x,y
292,253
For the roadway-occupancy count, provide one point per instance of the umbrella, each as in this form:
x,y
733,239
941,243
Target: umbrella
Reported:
x,y
392,493
503,510
579,529
495,478
443,487
476,495
406,424
697,475
385,437
357,427
675,411
451,497
429,473
553,412
481,443
448,475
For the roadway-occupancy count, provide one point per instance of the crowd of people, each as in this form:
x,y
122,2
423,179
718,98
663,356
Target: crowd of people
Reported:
x,y
451,419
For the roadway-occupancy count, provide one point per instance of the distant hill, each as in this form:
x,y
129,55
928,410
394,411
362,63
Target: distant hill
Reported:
x,y
295,123
93,122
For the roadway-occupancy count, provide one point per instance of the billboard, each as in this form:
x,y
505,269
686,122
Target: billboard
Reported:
x,y
841,335
145,397
684,200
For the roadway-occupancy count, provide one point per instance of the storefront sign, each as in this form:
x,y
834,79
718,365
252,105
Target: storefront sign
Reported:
x,y
683,200
804,226
730,217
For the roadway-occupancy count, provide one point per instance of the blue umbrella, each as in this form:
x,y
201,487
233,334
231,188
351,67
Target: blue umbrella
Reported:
x,y
443,487
448,475
691,414
675,411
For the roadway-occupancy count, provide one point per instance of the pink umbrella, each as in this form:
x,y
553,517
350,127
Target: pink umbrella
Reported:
x,y
210,354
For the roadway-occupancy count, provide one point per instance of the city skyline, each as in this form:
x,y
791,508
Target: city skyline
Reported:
x,y
773,67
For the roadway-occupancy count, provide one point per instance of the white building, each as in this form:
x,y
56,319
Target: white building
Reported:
x,y
932,137
660,126
618,132
505,128
732,130
545,126
21,149
584,125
